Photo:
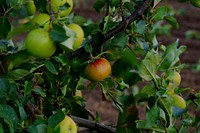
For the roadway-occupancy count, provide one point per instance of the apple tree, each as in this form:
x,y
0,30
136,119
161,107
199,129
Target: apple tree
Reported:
x,y
48,54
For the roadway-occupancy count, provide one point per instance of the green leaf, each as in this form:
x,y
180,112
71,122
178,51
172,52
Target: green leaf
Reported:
x,y
39,91
58,34
9,116
4,87
160,13
114,3
1,128
140,27
99,4
129,6
79,20
28,87
147,69
56,118
127,117
120,40
5,27
146,92
22,113
151,117
171,56
8,90
62,59
15,3
50,66
172,21
18,74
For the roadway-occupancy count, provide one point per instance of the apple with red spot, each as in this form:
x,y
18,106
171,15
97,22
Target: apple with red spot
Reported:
x,y
98,70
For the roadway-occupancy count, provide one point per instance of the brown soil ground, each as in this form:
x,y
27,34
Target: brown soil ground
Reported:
x,y
190,20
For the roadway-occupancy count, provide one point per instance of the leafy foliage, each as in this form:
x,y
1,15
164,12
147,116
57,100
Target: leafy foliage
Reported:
x,y
35,92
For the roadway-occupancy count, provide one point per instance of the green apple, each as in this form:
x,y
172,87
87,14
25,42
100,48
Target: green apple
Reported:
x,y
39,43
178,101
65,126
42,20
30,7
75,34
61,7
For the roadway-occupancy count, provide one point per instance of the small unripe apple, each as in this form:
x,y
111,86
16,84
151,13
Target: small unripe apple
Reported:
x,y
178,101
75,34
61,7
65,126
30,7
42,20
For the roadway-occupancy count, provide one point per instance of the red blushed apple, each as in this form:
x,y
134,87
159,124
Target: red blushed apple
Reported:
x,y
98,70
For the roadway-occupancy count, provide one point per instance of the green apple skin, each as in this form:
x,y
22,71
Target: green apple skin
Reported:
x,y
30,7
60,7
65,126
79,35
39,43
41,19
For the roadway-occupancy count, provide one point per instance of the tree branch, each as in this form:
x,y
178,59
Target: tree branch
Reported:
x,y
93,125
127,21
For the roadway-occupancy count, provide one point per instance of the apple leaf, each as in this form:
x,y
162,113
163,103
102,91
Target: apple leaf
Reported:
x,y
129,6
160,13
147,70
57,33
140,27
22,113
9,116
99,4
56,118
172,21
151,118
171,55
18,74
50,66
5,27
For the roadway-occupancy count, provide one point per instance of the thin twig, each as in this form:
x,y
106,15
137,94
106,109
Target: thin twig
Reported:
x,y
93,125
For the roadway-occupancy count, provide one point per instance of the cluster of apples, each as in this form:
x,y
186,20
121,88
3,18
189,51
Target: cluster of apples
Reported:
x,y
174,80
38,41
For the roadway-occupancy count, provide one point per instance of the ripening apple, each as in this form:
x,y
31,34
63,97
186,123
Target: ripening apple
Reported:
x,y
98,70
65,126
